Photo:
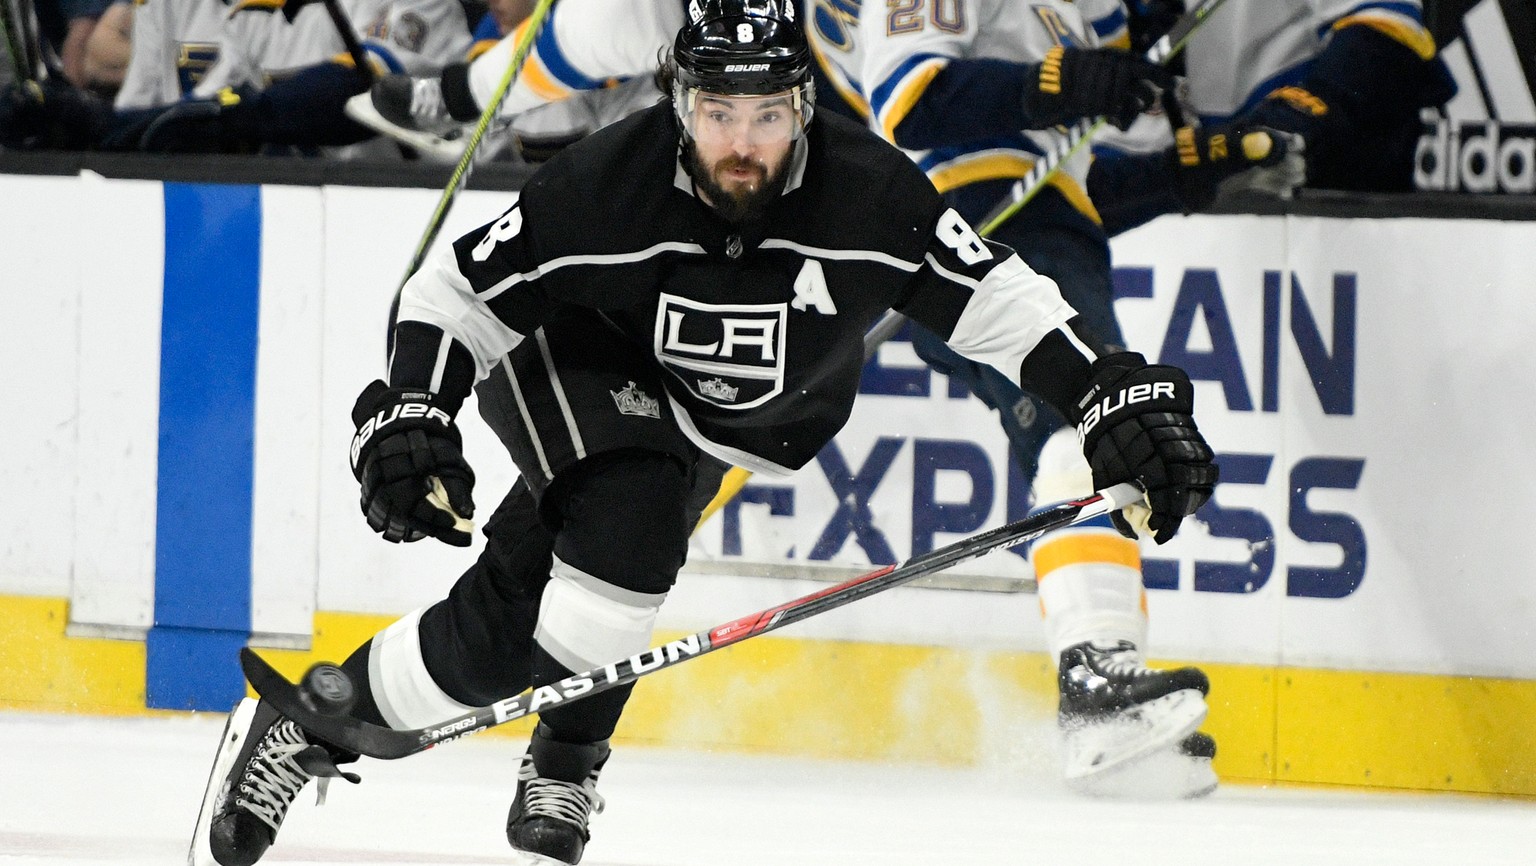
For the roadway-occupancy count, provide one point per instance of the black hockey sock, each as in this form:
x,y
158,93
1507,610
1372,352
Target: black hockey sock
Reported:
x,y
356,667
585,721
457,96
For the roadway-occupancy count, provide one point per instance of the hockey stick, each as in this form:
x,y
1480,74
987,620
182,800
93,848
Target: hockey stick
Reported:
x,y
1026,188
460,176
40,58
13,42
304,706
348,36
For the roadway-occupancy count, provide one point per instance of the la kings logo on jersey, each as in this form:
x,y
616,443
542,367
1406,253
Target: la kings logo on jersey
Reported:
x,y
1484,139
730,355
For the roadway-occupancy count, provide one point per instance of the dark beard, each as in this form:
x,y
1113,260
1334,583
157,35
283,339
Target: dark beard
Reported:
x,y
738,207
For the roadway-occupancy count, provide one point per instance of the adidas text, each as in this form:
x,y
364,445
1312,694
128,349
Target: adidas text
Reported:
x,y
1476,157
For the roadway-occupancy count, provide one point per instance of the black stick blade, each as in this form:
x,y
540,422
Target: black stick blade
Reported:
x,y
343,731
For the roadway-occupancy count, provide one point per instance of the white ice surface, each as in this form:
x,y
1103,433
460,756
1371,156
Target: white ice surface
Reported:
x,y
88,791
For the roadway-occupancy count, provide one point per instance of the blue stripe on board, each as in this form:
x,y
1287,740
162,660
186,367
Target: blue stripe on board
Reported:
x,y
207,419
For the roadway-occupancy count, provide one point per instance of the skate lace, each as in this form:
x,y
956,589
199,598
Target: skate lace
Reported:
x,y
273,777
553,798
1123,661
427,100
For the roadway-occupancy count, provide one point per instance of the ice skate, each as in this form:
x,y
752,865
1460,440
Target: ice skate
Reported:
x,y
262,762
411,111
1115,710
556,794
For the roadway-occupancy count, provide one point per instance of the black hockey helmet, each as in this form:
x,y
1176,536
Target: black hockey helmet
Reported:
x,y
743,48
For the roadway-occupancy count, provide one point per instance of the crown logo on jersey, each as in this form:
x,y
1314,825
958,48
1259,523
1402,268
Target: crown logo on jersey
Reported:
x,y
633,401
716,389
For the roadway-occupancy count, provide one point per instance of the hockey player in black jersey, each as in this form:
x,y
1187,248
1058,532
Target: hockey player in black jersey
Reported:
x,y
684,289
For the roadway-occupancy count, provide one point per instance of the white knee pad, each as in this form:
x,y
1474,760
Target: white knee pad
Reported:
x,y
405,693
585,622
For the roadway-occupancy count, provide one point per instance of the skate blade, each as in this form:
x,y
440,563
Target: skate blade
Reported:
x,y
524,858
1166,774
230,743
1135,733
435,148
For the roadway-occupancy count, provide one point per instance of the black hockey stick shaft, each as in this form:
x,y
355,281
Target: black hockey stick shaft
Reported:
x,y
24,58
1078,136
348,36
13,41
379,742
37,55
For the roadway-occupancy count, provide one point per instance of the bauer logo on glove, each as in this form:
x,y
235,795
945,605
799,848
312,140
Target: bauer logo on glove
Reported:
x,y
1102,409
399,411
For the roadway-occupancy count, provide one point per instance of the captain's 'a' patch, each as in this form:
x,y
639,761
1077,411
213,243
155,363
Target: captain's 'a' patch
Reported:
x,y
731,355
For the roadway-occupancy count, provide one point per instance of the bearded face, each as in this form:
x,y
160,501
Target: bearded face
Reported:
x,y
739,187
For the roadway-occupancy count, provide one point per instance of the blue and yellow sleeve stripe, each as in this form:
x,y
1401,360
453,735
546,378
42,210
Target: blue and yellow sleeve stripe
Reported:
x,y
894,99
1401,22
1112,30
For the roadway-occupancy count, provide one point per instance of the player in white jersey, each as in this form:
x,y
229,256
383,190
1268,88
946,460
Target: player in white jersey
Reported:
x,y
175,42
284,75
583,47
977,91
1348,76
271,40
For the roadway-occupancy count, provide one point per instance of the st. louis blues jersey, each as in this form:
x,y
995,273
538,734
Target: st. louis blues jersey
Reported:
x,y
832,29
175,43
758,329
415,37
1245,51
908,44
582,45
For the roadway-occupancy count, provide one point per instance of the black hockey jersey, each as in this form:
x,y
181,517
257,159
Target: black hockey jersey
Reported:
x,y
759,328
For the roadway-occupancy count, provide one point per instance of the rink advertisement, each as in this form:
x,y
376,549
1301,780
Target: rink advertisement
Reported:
x,y
186,489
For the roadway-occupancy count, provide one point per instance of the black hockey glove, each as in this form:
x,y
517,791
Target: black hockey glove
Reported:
x,y
408,456
1135,424
51,115
1293,109
1205,157
1100,82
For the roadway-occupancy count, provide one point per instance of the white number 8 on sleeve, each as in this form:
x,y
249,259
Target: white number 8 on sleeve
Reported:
x,y
961,238
506,227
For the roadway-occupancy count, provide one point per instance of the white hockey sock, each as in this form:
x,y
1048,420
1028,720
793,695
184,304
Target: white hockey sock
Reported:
x,y
1090,587
403,690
